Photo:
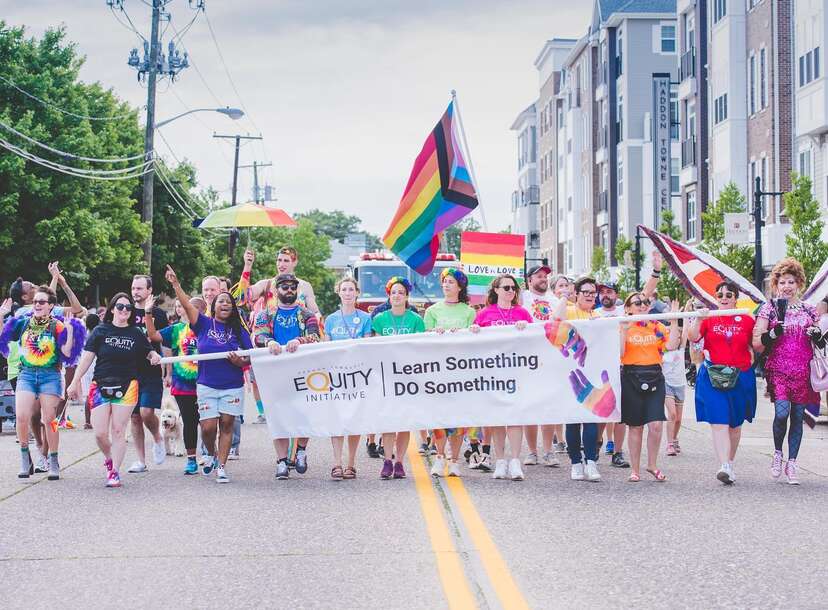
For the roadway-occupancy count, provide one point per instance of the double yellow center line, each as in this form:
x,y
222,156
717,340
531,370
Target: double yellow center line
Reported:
x,y
453,576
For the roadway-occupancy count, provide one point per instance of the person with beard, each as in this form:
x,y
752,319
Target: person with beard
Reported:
x,y
150,381
286,262
287,326
220,383
541,304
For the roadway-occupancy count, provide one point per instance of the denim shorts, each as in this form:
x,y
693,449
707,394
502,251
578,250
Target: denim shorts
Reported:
x,y
40,381
676,391
212,402
150,394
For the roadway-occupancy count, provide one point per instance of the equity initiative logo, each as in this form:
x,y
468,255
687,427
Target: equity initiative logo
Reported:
x,y
335,383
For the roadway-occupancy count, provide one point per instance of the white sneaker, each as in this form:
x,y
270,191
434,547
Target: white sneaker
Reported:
x,y
159,453
137,467
42,465
531,460
591,471
551,460
515,472
577,472
234,454
453,469
438,468
221,475
500,471
724,474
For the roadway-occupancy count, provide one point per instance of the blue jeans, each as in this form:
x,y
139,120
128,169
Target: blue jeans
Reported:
x,y
39,380
575,442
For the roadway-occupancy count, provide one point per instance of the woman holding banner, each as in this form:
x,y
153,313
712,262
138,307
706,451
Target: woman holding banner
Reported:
x,y
726,381
642,382
450,314
503,309
347,322
786,328
399,320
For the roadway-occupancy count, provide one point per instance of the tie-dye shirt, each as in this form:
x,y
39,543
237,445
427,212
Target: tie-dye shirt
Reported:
x,y
39,345
183,342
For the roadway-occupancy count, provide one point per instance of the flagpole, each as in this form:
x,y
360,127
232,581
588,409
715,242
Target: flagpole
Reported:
x,y
468,159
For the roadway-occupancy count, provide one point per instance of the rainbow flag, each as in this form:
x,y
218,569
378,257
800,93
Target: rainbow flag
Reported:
x,y
484,256
438,194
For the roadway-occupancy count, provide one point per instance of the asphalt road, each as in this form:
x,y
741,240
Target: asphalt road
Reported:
x,y
547,542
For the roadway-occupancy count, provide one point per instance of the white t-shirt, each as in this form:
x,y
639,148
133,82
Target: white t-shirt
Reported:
x,y
610,313
541,307
673,368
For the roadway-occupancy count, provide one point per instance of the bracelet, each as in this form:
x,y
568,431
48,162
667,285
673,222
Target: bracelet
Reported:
x,y
656,273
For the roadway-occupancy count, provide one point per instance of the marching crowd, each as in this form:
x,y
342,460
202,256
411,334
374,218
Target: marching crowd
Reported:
x,y
109,359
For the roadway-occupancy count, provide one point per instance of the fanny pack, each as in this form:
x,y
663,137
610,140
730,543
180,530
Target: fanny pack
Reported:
x,y
113,388
646,380
722,376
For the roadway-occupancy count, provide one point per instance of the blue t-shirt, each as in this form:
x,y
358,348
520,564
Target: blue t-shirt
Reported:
x,y
352,326
286,325
214,336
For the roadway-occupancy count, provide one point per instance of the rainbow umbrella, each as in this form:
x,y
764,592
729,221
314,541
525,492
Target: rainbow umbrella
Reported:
x,y
247,215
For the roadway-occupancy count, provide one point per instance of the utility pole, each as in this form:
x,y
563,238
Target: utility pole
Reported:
x,y
256,167
238,139
149,137
758,223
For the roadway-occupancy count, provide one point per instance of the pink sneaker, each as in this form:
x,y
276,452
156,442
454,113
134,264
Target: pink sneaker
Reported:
x,y
108,464
790,472
776,467
113,479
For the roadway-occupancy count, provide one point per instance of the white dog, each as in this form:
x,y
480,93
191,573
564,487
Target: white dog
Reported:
x,y
172,428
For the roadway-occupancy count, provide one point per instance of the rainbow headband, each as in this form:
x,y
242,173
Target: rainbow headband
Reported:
x,y
458,275
398,279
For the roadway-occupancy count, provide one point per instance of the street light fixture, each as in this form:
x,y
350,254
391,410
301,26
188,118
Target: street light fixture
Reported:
x,y
233,113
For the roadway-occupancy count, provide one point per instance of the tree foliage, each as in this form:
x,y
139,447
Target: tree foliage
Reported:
x,y
804,240
626,263
599,267
669,284
740,258
451,236
338,225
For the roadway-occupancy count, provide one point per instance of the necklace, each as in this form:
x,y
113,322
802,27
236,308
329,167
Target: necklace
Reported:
x,y
352,332
507,320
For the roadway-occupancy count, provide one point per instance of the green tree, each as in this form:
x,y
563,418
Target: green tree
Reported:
x,y
338,225
600,269
626,263
804,240
669,284
92,227
451,236
740,258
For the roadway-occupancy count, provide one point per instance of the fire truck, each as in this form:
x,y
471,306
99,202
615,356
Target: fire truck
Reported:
x,y
373,270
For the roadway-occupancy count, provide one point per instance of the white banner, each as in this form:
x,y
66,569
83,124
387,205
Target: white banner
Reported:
x,y
558,372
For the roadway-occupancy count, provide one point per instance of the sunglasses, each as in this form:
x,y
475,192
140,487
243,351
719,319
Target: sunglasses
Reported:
x,y
508,288
588,293
288,287
123,306
725,295
40,301
639,302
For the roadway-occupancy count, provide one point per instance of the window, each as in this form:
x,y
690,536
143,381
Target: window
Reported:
x,y
752,84
674,174
763,79
764,176
720,109
805,163
674,114
619,55
569,204
752,177
619,134
691,119
719,10
620,176
570,255
668,39
809,67
691,216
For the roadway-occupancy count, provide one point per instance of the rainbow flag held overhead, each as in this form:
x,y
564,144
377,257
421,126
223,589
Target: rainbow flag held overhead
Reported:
x,y
439,193
484,256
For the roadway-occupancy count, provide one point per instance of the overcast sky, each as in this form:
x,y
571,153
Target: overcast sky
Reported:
x,y
343,91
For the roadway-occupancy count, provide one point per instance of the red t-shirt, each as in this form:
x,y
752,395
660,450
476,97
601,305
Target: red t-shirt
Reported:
x,y
727,339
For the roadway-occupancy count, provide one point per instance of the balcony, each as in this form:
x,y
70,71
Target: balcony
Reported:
x,y
688,152
687,65
531,195
603,201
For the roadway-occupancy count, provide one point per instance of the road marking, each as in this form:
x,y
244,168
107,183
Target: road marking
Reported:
x,y
498,572
449,567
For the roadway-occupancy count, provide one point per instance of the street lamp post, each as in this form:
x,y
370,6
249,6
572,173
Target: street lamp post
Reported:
x,y
758,223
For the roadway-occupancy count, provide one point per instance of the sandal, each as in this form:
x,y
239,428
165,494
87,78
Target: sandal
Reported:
x,y
336,472
349,473
634,478
659,476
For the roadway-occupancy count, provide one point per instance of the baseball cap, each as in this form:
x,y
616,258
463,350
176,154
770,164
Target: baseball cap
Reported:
x,y
609,285
286,278
533,270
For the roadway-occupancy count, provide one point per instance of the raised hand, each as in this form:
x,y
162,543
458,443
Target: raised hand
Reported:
x,y
172,278
658,262
563,335
249,258
149,302
6,307
600,401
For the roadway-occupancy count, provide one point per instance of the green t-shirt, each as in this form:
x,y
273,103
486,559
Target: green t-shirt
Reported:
x,y
450,317
13,360
386,324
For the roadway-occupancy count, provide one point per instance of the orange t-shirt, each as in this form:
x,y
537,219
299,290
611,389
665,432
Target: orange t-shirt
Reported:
x,y
645,344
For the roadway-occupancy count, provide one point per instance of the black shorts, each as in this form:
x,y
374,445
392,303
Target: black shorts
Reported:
x,y
642,394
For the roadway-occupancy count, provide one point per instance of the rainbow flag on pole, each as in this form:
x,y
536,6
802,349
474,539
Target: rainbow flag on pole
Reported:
x,y
439,193
484,256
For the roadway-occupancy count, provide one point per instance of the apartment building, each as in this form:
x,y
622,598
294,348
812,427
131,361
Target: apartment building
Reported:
x,y
810,87
548,63
526,197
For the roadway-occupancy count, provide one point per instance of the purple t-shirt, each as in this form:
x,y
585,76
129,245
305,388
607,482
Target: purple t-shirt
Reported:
x,y
492,315
214,336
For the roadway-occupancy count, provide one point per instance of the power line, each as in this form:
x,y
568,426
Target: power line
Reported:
x,y
63,153
67,112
